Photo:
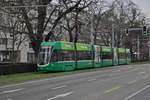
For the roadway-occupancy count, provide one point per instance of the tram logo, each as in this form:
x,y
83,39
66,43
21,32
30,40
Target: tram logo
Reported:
x,y
84,47
68,46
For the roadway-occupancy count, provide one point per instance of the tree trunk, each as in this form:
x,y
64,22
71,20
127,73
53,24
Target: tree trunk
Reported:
x,y
70,36
36,46
76,29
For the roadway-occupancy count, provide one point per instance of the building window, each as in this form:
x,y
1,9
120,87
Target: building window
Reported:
x,y
31,57
3,40
30,44
10,41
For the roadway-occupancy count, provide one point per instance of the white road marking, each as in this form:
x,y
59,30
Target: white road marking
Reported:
x,y
59,87
92,79
116,71
10,91
61,95
141,73
134,94
9,99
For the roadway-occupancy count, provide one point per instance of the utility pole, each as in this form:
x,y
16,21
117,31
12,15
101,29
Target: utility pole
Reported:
x,y
149,51
138,45
149,48
92,30
113,42
92,40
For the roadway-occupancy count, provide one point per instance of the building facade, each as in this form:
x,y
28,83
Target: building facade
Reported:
x,y
12,50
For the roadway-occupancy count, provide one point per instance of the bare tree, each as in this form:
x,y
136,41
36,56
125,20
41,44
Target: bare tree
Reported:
x,y
43,18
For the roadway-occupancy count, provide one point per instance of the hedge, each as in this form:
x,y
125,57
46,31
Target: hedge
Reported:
x,y
11,68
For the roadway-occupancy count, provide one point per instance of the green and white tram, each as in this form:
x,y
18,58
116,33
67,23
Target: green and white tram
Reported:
x,y
67,56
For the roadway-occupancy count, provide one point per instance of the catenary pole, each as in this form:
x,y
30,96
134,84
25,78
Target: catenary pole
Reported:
x,y
92,39
112,36
138,45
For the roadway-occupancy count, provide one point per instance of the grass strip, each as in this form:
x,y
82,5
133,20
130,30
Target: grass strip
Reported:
x,y
5,79
143,62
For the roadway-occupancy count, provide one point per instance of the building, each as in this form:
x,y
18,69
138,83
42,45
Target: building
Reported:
x,y
12,50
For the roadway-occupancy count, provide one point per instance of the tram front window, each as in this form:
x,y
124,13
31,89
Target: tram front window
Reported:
x,y
44,55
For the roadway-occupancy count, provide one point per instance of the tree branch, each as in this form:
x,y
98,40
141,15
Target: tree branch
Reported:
x,y
59,18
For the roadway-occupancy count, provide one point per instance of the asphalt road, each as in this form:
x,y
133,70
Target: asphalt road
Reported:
x,y
129,82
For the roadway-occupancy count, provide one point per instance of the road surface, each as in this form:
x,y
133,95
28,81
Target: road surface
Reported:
x,y
127,82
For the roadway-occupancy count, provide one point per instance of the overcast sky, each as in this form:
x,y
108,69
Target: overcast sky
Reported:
x,y
144,5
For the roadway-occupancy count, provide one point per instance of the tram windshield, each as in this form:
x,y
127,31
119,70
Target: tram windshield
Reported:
x,y
44,55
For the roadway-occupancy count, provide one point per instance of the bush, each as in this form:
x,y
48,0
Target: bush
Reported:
x,y
17,68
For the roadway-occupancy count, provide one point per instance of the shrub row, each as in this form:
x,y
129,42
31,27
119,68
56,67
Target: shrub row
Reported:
x,y
17,68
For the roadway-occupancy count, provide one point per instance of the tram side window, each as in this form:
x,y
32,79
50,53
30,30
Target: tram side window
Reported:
x,y
62,55
107,55
54,56
84,55
122,56
66,55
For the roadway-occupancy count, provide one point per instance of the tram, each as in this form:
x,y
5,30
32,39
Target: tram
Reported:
x,y
68,56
